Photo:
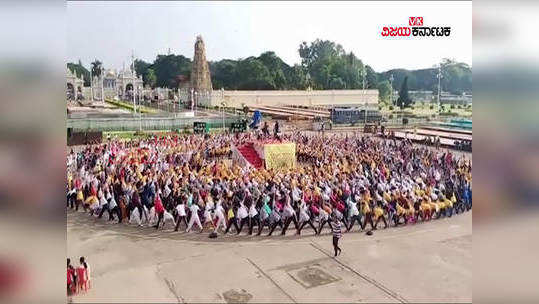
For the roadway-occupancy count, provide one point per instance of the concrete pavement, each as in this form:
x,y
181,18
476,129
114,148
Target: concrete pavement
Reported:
x,y
427,262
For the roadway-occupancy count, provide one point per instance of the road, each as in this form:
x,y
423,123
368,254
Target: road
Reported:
x,y
426,262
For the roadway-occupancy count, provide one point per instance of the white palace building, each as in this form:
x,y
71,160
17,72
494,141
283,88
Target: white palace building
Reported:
x,y
112,84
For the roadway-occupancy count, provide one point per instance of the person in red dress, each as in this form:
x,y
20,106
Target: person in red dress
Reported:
x,y
82,276
71,278
159,210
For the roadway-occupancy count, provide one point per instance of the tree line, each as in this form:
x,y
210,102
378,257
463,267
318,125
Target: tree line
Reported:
x,y
324,65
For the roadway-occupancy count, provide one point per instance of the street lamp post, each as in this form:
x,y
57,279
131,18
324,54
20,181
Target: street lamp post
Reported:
x,y
133,86
439,76
223,106
139,113
102,84
91,85
391,85
364,74
195,102
192,100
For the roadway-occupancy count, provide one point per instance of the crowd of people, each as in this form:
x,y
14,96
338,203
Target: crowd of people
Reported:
x,y
463,145
190,181
432,141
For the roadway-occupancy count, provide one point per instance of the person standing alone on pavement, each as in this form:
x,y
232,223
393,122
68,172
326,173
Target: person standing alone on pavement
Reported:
x,y
335,225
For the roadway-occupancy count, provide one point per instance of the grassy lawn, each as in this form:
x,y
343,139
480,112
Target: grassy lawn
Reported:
x,y
129,106
133,134
145,134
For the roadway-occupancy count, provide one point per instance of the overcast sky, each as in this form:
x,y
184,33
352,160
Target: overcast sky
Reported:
x,y
109,31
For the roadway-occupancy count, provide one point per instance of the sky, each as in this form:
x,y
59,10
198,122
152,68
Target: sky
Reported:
x,y
111,31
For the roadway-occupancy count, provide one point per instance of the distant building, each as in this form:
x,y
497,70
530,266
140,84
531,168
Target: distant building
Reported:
x,y
197,89
445,97
75,86
453,99
306,98
421,96
121,85
115,85
200,70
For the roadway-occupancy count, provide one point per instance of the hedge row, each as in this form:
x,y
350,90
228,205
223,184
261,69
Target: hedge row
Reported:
x,y
128,106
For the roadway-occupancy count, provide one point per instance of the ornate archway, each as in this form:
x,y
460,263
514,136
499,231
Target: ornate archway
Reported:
x,y
129,91
70,91
80,95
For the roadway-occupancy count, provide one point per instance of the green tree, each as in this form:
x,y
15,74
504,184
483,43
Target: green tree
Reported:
x,y
324,60
337,83
141,68
404,100
223,74
384,91
167,68
78,69
97,67
331,67
254,75
457,77
276,68
372,78
297,78
324,65
151,79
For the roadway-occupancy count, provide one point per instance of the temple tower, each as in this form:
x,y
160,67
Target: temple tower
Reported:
x,y
200,71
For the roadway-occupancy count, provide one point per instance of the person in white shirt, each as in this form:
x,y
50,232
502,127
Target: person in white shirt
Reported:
x,y
289,215
99,205
194,218
111,206
181,214
220,214
167,191
103,202
304,217
242,216
353,213
275,218
323,218
208,209
254,218
296,194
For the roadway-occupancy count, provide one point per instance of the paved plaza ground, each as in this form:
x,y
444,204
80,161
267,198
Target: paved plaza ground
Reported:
x,y
427,262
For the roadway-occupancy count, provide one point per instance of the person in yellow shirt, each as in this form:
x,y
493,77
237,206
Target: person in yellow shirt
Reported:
x,y
425,209
400,212
379,215
453,201
448,207
90,202
410,212
433,207
368,214
440,204
80,199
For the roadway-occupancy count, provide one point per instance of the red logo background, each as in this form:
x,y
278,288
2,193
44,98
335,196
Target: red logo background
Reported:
x,y
415,21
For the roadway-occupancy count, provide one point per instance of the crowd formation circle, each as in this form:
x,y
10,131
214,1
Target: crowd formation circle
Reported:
x,y
189,182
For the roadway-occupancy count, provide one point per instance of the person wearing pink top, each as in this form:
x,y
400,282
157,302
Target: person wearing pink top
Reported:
x,y
159,209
